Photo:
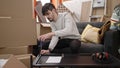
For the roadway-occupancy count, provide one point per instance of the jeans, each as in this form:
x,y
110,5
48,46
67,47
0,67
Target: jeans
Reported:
x,y
74,45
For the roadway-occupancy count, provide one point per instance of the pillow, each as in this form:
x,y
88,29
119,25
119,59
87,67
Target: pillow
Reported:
x,y
92,35
84,32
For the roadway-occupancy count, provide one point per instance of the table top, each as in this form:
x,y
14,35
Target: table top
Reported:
x,y
72,60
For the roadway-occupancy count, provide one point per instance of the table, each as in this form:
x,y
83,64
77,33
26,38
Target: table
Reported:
x,y
73,60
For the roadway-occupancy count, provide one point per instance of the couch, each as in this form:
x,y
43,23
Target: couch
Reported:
x,y
110,42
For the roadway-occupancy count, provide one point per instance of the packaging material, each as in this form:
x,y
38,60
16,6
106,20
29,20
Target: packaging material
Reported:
x,y
25,58
15,50
38,29
9,61
44,28
17,24
105,18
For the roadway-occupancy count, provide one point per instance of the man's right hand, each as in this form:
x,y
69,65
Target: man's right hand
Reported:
x,y
45,36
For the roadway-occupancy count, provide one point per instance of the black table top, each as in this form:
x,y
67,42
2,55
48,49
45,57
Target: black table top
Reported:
x,y
73,60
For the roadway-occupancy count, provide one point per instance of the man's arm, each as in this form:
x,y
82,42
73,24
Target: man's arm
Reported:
x,y
46,36
116,14
52,45
69,26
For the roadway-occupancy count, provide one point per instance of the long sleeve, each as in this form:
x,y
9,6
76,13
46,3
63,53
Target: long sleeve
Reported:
x,y
53,42
116,14
64,27
70,27
53,27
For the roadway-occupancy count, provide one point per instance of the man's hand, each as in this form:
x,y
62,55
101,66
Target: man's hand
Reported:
x,y
45,51
45,36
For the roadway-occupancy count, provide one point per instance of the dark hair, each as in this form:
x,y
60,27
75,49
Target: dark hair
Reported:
x,y
46,7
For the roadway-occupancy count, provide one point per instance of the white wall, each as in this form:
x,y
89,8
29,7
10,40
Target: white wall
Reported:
x,y
75,6
44,1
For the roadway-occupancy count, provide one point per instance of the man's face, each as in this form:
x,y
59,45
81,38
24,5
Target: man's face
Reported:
x,y
50,15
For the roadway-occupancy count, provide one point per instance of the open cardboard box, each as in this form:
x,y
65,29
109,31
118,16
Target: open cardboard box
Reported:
x,y
15,50
9,61
25,59
17,27
44,28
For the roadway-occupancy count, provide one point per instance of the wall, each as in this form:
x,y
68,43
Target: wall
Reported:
x,y
76,7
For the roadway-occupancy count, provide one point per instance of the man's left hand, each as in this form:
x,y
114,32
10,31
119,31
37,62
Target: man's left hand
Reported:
x,y
45,52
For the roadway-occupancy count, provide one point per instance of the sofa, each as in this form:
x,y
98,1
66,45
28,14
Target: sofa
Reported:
x,y
110,42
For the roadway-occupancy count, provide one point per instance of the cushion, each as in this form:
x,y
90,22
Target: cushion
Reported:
x,y
94,32
92,35
84,32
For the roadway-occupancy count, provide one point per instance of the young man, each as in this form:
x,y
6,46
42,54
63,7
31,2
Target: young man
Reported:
x,y
64,31
115,17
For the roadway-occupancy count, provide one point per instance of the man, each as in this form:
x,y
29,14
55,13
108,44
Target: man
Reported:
x,y
115,17
64,31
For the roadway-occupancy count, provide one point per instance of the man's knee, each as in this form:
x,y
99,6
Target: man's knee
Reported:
x,y
75,45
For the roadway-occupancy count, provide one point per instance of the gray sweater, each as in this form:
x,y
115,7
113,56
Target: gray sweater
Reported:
x,y
64,27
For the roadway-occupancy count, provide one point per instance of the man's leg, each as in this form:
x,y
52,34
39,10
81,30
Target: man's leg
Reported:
x,y
37,48
75,45
45,44
62,43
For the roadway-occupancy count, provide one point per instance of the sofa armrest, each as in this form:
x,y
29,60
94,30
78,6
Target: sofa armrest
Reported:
x,y
112,41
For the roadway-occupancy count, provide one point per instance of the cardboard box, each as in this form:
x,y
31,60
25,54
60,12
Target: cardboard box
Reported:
x,y
19,33
17,27
15,50
25,59
9,61
105,18
44,28
38,29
